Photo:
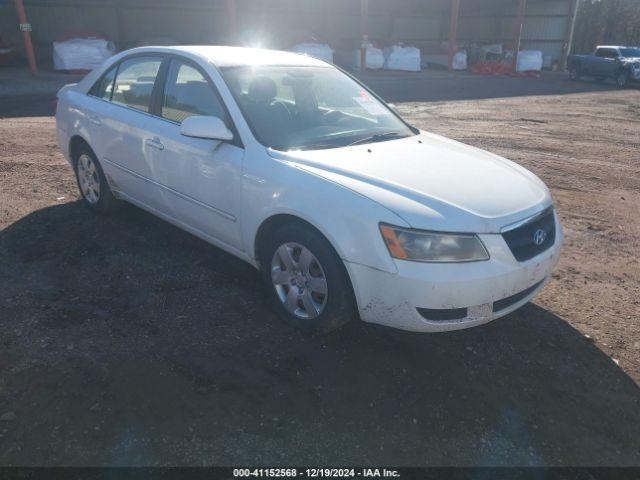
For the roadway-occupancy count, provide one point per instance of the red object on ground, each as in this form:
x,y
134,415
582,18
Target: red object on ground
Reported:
x,y
492,67
500,67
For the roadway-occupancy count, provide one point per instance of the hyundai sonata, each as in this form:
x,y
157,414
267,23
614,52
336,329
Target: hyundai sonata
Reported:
x,y
294,166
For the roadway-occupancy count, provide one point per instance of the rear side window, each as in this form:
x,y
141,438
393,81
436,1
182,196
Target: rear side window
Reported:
x,y
134,82
188,93
104,87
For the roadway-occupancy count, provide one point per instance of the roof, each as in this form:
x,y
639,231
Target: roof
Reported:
x,y
241,56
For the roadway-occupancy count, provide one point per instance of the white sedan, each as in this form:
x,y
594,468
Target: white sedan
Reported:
x,y
297,168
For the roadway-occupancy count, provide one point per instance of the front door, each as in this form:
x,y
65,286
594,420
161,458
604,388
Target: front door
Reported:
x,y
606,64
198,180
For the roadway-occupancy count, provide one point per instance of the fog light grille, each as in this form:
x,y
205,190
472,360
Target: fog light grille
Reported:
x,y
507,302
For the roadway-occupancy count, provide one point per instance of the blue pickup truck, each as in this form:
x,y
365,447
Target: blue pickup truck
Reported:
x,y
619,63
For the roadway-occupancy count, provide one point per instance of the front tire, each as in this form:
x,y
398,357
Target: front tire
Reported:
x,y
92,182
306,279
622,79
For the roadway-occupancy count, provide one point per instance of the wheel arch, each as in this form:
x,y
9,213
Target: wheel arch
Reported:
x,y
625,68
76,142
276,221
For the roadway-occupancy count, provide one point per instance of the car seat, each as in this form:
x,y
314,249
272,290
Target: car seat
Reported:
x,y
271,118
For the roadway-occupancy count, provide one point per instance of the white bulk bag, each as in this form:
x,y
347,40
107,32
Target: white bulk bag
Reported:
x,y
398,57
459,61
81,53
321,51
529,60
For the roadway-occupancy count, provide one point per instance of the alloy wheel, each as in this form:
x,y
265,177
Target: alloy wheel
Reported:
x,y
88,179
299,280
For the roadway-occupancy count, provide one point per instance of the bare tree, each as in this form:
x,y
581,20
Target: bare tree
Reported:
x,y
606,22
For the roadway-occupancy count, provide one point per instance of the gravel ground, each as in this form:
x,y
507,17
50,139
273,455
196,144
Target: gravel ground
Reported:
x,y
125,341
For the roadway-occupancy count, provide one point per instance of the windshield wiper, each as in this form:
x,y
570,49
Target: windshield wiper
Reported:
x,y
309,146
377,137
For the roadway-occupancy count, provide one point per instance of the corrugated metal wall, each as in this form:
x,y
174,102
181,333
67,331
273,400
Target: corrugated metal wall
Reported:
x,y
338,21
185,22
545,25
279,22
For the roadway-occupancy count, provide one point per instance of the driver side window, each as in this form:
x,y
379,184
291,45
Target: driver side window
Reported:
x,y
187,93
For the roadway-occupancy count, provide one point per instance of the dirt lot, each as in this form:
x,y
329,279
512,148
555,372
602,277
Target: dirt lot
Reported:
x,y
126,341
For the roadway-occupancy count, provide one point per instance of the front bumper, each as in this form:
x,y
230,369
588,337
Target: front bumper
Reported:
x,y
477,292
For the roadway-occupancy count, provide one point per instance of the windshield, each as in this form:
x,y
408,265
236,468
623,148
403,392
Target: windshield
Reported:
x,y
306,108
630,52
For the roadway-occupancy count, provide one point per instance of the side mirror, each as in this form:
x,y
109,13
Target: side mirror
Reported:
x,y
200,126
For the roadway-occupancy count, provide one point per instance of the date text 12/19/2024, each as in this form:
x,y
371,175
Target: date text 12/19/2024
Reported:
x,y
315,473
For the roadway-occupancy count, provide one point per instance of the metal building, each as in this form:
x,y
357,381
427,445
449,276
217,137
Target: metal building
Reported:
x,y
545,25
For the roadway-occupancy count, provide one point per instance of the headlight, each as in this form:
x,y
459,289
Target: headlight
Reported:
x,y
422,246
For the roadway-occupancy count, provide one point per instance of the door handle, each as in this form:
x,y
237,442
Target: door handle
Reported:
x,y
94,119
155,143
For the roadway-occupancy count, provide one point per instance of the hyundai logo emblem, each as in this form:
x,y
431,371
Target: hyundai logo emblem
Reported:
x,y
539,236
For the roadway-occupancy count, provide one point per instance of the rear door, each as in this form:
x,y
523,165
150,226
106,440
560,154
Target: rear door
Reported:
x,y
198,179
97,109
123,120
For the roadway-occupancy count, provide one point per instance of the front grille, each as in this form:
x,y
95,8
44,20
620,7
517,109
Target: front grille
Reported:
x,y
507,302
522,239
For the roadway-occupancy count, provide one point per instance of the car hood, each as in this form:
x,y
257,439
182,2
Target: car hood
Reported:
x,y
432,182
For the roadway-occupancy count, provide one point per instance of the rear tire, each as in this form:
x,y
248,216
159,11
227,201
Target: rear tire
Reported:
x,y
306,279
92,183
574,73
